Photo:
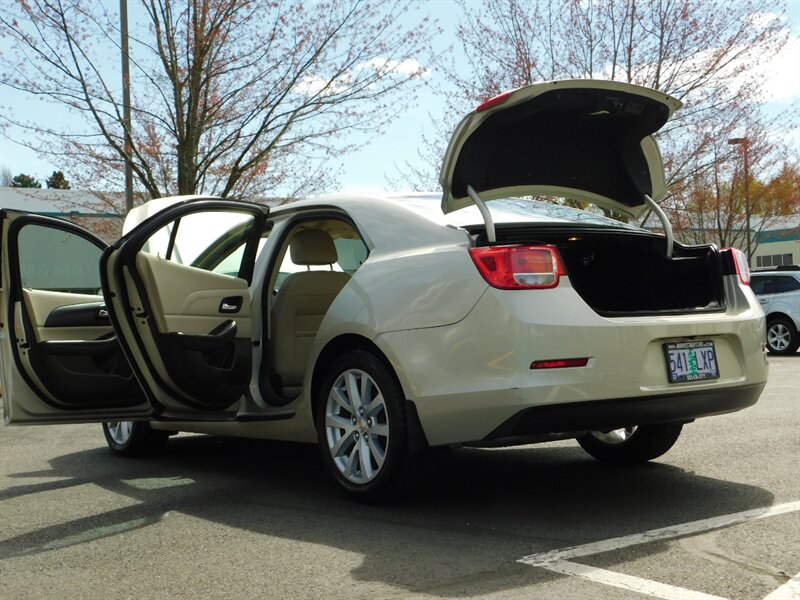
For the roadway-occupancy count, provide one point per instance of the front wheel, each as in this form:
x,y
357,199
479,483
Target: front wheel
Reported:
x,y
782,337
631,445
133,438
362,430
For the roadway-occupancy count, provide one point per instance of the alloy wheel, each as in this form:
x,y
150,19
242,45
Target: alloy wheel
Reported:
x,y
357,426
778,336
120,431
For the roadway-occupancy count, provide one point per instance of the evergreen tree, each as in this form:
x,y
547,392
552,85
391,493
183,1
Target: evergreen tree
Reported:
x,y
25,181
57,181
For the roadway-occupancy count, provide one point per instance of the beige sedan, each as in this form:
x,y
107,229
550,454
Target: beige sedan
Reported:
x,y
384,329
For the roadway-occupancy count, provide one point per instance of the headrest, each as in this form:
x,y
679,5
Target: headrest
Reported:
x,y
313,247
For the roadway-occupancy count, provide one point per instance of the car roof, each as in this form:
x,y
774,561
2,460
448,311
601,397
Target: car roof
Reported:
x,y
795,274
427,206
412,220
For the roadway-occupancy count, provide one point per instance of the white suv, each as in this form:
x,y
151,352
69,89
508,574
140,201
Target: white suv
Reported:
x,y
778,292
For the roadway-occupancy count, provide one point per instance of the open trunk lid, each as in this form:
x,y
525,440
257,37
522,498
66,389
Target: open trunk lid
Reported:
x,y
584,139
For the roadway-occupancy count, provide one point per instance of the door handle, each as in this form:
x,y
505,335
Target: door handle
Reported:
x,y
231,304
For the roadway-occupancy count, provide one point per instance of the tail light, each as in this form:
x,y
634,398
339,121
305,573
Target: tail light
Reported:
x,y
519,267
741,264
499,99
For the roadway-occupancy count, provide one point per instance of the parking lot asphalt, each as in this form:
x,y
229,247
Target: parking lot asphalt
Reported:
x,y
716,517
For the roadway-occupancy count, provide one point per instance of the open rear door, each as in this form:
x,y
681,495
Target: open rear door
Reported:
x,y
177,288
61,361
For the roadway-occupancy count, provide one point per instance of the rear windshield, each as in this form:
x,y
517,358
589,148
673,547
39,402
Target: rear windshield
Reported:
x,y
508,210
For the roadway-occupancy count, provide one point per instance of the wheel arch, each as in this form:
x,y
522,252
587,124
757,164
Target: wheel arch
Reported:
x,y
351,341
780,315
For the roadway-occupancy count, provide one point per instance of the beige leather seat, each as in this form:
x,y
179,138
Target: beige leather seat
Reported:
x,y
300,305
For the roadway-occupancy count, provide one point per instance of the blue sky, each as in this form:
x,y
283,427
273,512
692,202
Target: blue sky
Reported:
x,y
366,170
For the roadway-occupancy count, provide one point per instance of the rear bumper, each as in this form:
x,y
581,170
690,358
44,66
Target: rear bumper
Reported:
x,y
470,378
627,412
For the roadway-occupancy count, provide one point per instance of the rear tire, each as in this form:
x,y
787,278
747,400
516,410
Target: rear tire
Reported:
x,y
363,432
782,336
631,445
134,438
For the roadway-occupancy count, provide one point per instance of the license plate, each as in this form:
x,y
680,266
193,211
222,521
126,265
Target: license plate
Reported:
x,y
691,361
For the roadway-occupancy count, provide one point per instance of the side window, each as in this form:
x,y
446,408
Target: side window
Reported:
x,y
205,238
786,284
352,253
230,264
759,285
350,250
58,261
158,243
209,240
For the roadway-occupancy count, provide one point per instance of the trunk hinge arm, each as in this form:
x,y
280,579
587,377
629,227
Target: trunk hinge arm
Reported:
x,y
487,216
664,222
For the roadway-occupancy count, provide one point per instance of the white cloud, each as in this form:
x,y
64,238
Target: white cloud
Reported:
x,y
782,73
764,19
409,66
314,84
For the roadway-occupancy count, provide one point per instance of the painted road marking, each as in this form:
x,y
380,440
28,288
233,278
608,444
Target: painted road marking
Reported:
x,y
157,483
654,535
558,560
788,591
87,536
628,582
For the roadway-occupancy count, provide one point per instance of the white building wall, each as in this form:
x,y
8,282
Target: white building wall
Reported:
x,y
770,254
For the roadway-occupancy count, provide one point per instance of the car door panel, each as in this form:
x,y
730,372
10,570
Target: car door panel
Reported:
x,y
61,359
183,328
62,316
74,349
187,299
186,329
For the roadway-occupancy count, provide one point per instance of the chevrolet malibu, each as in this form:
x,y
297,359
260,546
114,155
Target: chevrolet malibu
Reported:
x,y
383,329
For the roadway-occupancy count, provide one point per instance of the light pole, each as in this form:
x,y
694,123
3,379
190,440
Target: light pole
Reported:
x,y
745,144
126,104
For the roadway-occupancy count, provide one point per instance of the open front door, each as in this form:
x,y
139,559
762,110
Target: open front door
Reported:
x,y
61,361
177,288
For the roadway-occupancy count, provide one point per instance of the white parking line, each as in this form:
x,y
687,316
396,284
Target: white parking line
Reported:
x,y
541,559
788,591
557,560
629,582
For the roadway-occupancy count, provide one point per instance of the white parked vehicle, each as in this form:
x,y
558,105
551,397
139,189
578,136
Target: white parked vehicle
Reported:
x,y
380,330
778,291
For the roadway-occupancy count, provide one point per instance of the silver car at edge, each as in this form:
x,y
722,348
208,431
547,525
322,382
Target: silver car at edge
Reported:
x,y
384,330
778,291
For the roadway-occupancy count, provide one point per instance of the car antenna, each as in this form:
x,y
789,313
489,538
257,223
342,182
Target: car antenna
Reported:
x,y
487,216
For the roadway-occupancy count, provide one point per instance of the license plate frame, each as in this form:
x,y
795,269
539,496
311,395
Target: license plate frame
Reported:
x,y
690,362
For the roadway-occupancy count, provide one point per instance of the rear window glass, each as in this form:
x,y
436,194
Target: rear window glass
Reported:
x,y
512,210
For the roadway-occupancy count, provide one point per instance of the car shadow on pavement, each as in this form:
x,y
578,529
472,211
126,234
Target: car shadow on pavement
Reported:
x,y
486,509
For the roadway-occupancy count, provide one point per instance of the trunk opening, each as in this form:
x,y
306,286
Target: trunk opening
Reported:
x,y
620,272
